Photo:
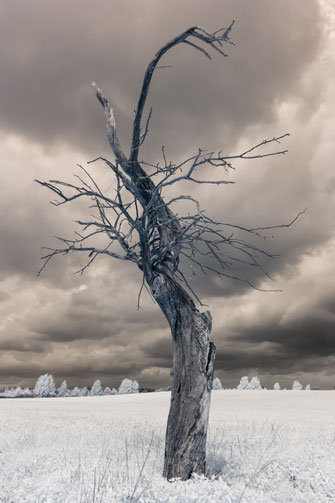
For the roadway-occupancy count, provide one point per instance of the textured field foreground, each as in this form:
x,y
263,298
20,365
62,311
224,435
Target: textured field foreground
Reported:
x,y
264,446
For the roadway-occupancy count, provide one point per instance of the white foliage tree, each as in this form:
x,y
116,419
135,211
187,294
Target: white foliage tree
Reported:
x,y
255,384
217,384
128,386
296,386
244,383
45,386
75,391
308,387
276,386
62,390
96,388
26,393
18,392
109,391
7,393
84,391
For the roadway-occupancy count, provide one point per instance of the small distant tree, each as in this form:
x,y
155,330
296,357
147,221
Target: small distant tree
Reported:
x,y
276,386
255,384
84,391
308,387
296,386
75,391
128,386
217,384
96,388
109,391
45,386
244,383
18,392
62,390
7,393
146,219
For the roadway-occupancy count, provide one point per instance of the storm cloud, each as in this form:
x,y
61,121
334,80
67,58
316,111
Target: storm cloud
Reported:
x,y
277,78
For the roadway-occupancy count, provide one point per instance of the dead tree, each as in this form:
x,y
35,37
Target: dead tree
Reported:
x,y
138,223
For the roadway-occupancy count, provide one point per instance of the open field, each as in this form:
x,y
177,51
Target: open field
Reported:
x,y
264,447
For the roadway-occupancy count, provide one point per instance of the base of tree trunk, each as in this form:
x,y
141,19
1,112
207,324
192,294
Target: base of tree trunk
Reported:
x,y
186,434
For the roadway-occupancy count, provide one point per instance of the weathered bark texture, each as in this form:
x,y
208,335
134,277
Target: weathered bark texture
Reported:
x,y
193,367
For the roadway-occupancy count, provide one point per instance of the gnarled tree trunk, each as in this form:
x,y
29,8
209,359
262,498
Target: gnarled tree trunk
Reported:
x,y
193,367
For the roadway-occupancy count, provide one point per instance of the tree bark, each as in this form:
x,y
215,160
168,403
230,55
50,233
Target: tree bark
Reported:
x,y
193,367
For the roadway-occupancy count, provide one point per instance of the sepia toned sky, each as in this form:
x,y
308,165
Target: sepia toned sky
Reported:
x,y
277,78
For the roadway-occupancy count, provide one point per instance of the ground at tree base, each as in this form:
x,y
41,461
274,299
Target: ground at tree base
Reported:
x,y
264,447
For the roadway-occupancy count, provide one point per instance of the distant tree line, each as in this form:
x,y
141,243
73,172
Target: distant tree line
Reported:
x,y
45,387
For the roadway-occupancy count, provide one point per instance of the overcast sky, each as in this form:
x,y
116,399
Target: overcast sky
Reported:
x,y
278,78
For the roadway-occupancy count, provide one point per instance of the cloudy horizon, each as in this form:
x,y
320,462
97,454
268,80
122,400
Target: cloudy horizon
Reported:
x,y
276,79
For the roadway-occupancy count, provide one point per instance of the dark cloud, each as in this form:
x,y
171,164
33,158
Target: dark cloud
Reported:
x,y
160,351
22,344
87,314
276,78
307,337
300,345
52,52
291,336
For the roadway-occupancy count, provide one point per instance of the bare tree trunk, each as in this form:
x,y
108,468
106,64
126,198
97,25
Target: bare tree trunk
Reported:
x,y
193,367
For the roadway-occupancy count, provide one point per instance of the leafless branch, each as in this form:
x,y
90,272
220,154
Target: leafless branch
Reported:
x,y
137,221
214,40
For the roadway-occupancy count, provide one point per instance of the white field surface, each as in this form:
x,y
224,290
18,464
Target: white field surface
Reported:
x,y
264,446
